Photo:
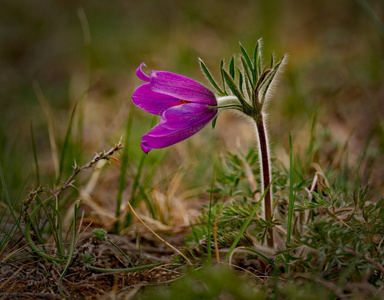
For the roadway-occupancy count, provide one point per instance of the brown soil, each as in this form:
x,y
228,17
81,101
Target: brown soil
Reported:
x,y
36,278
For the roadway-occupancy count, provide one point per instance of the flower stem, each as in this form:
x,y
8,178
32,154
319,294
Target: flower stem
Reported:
x,y
265,167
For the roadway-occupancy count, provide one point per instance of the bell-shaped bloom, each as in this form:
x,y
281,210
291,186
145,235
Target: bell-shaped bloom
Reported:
x,y
185,107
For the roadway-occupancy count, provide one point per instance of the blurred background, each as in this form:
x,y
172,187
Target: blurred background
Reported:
x,y
56,53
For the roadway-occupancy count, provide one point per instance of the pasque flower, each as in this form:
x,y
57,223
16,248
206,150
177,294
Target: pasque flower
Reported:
x,y
185,107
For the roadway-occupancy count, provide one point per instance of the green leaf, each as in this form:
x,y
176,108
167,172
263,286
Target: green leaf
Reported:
x,y
232,68
210,78
262,79
240,81
247,86
249,63
248,75
214,121
222,76
268,80
235,90
258,63
255,62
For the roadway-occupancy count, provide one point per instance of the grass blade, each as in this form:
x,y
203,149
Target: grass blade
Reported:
x,y
291,195
124,165
126,270
51,125
121,251
66,143
7,196
71,249
132,200
35,155
28,237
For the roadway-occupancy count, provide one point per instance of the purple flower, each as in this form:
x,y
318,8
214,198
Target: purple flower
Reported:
x,y
182,103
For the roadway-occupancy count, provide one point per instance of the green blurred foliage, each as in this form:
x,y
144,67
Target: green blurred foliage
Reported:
x,y
212,283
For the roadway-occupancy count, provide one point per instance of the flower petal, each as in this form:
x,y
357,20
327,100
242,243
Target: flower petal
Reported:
x,y
181,87
145,148
141,74
151,101
161,137
185,115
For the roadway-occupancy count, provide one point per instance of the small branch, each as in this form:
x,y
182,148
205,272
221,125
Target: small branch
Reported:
x,y
335,217
98,156
366,257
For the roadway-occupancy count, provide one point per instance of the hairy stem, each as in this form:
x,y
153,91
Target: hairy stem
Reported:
x,y
265,166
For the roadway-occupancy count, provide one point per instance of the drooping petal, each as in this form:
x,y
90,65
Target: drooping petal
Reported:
x,y
152,102
161,137
181,87
184,115
145,148
141,74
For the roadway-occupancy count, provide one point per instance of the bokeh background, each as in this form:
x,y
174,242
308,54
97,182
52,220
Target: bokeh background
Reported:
x,y
54,53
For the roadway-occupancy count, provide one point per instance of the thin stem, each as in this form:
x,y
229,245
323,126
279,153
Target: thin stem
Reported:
x,y
291,202
156,235
291,196
265,175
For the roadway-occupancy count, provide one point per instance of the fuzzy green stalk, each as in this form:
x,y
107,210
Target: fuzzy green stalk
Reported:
x,y
265,171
